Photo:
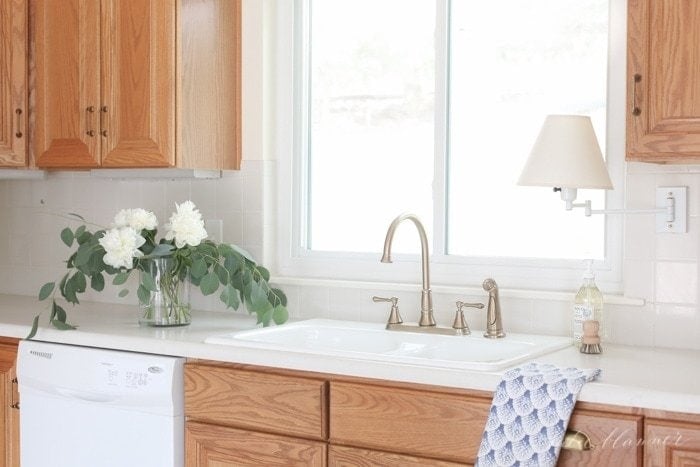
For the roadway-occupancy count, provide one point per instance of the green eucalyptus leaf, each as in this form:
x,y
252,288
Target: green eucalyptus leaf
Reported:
x,y
258,297
83,255
144,295
80,282
232,263
62,326
58,313
97,282
79,231
276,296
148,282
280,315
46,290
120,278
221,273
67,236
35,327
85,237
243,253
69,291
199,268
123,293
162,249
229,296
266,315
225,249
264,273
209,284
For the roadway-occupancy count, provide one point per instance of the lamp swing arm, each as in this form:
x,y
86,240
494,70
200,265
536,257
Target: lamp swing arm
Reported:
x,y
569,195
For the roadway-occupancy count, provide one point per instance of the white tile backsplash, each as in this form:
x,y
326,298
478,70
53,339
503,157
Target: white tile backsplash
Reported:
x,y
660,268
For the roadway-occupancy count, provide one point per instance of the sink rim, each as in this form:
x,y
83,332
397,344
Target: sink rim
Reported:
x,y
542,345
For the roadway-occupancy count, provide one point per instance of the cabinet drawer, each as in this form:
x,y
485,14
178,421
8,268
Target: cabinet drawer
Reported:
x,y
415,422
616,439
210,446
341,456
259,401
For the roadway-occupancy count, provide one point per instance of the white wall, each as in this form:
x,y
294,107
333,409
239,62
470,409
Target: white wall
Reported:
x,y
660,268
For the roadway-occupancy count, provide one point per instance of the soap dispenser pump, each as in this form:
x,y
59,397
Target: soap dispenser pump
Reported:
x,y
588,304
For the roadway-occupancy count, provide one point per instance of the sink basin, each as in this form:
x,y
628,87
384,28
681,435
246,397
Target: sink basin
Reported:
x,y
370,341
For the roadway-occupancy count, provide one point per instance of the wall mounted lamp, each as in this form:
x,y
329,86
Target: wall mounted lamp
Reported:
x,y
566,156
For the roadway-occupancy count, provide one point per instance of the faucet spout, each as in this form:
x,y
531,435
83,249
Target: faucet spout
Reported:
x,y
426,313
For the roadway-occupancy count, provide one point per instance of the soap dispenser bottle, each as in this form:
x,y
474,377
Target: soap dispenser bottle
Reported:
x,y
588,305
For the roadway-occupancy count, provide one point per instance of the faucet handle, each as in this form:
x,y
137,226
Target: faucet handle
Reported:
x,y
394,316
460,323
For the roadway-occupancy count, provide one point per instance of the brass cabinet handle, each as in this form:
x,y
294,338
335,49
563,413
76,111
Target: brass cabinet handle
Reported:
x,y
103,111
89,110
576,441
18,112
635,110
14,404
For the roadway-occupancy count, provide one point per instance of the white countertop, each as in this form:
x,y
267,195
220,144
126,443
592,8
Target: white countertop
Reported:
x,y
661,379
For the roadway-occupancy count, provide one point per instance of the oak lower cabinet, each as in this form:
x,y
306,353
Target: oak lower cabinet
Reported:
x,y
9,404
137,83
239,417
13,83
671,443
663,81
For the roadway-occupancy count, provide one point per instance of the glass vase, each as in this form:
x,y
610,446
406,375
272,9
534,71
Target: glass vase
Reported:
x,y
169,303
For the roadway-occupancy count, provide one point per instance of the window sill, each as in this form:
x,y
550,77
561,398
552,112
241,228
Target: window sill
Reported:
x,y
450,289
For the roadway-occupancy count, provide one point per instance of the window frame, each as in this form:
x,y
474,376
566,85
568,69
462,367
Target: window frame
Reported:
x,y
292,143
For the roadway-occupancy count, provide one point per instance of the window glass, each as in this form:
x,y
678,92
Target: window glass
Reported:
x,y
371,135
512,63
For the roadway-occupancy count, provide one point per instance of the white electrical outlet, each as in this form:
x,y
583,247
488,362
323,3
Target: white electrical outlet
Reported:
x,y
215,229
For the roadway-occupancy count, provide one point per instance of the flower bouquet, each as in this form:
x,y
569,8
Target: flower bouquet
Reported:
x,y
166,268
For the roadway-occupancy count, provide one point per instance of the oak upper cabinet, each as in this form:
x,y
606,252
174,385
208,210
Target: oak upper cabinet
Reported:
x,y
13,83
9,406
663,87
138,83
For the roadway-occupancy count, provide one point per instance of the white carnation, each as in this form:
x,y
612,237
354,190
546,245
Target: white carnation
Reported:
x,y
138,219
121,246
186,225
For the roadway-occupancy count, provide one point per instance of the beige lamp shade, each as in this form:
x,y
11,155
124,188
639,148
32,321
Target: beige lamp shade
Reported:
x,y
567,155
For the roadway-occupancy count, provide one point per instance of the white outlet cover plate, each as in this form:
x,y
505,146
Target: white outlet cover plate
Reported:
x,y
680,223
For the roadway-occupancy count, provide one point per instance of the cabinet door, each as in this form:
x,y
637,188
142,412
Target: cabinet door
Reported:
x,y
138,83
341,456
13,83
216,446
67,45
663,115
9,409
671,444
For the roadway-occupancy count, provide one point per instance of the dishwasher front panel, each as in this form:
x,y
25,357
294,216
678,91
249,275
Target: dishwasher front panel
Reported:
x,y
85,407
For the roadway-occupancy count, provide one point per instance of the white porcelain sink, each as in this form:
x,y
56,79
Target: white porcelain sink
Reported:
x,y
371,341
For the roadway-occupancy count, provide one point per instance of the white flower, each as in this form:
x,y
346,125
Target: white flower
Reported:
x,y
138,219
186,225
121,246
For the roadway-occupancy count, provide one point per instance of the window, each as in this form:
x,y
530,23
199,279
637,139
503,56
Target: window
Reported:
x,y
432,107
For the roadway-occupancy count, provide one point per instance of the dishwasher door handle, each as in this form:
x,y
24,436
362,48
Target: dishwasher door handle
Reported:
x,y
86,395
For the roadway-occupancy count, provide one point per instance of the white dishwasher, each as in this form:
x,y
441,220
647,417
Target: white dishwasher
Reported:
x,y
86,407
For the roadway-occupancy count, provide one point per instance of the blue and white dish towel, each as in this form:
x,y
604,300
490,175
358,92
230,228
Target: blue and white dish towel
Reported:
x,y
529,415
